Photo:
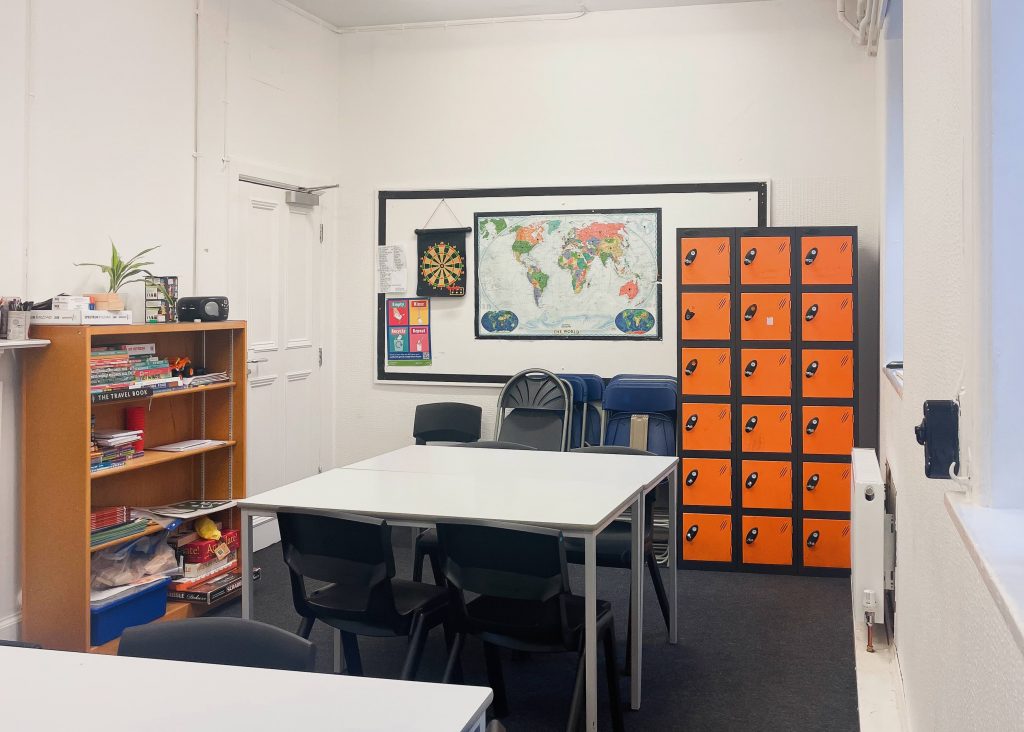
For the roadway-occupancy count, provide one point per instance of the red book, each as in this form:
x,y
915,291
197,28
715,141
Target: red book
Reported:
x,y
204,550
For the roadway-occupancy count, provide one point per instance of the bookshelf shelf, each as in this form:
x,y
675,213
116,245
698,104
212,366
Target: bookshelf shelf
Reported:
x,y
28,343
153,457
58,489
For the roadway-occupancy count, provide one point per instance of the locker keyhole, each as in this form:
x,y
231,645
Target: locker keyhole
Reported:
x,y
812,539
751,424
688,315
812,482
812,254
691,477
751,480
750,312
812,369
811,312
751,368
691,532
750,256
812,425
691,422
690,256
751,535
691,367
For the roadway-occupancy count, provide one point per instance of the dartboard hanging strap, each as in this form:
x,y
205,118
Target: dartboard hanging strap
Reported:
x,y
441,258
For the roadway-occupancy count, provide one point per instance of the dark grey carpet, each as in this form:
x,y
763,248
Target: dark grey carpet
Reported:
x,y
755,652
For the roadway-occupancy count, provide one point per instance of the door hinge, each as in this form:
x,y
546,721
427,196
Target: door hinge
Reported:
x,y
320,357
321,233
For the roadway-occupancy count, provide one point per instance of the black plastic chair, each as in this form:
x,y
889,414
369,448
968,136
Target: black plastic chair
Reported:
x,y
353,555
426,541
446,422
521,601
535,408
615,543
228,641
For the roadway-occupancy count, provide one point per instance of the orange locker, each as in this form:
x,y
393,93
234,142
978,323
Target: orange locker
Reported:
x,y
767,428
826,543
827,316
706,371
764,316
826,260
705,316
707,426
767,484
765,260
827,430
705,260
766,372
826,486
707,537
767,540
707,481
827,374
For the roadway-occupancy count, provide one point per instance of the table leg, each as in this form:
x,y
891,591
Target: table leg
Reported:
x,y
246,565
673,556
636,629
590,627
337,651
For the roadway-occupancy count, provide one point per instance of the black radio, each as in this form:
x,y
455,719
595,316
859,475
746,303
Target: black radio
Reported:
x,y
205,308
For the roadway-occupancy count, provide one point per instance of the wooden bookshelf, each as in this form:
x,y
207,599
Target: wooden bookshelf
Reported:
x,y
58,489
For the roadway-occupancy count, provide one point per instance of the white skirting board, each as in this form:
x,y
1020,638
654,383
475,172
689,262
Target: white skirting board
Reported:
x,y
880,700
265,532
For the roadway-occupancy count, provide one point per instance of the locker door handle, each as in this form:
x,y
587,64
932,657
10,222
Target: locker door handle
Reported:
x,y
812,369
751,368
691,477
691,422
691,367
751,480
690,256
750,312
751,424
751,535
812,539
688,315
812,425
812,482
750,256
691,533
812,311
812,254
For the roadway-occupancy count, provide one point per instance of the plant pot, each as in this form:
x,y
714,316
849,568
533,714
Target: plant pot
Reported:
x,y
107,301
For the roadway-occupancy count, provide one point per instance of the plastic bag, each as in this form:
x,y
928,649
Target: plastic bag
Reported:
x,y
147,556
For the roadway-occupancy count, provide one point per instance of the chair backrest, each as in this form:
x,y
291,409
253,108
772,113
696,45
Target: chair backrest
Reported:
x,y
578,413
229,641
497,445
523,567
534,409
446,422
656,398
619,450
352,552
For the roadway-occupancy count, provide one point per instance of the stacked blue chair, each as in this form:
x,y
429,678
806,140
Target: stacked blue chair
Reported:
x,y
656,397
587,392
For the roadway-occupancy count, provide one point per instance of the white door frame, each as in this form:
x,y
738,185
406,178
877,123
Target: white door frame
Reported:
x,y
265,531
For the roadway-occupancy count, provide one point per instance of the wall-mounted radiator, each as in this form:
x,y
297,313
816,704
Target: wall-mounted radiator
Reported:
x,y
873,542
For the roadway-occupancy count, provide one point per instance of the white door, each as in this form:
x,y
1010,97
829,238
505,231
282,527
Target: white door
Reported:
x,y
276,265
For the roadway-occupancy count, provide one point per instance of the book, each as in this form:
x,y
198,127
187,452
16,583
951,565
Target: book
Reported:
x,y
186,510
80,317
205,550
121,531
193,570
108,517
185,445
187,584
213,590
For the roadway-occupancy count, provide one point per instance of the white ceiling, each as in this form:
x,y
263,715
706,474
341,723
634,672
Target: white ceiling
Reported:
x,y
350,13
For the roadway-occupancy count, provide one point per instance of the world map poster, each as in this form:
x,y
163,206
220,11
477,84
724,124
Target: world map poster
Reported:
x,y
569,274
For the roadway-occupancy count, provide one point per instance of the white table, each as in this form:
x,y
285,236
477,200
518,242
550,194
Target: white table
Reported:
x,y
56,690
578,493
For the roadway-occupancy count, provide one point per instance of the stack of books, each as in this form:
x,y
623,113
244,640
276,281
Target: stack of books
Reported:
x,y
123,530
149,370
110,369
206,566
104,518
111,448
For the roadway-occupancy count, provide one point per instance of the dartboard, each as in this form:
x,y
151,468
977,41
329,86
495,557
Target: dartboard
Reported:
x,y
441,266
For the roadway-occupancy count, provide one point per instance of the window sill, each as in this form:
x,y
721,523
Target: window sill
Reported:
x,y
992,537
895,377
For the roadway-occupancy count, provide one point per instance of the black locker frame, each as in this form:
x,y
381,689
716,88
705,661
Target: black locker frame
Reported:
x,y
735,398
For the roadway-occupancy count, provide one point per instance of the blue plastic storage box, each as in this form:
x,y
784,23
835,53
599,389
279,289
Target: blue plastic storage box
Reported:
x,y
110,620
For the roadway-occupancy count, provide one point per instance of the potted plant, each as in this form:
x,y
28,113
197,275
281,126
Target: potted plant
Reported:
x,y
120,273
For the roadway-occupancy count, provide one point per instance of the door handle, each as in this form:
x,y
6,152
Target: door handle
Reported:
x,y
812,539
750,312
751,256
691,533
812,425
751,536
690,367
812,254
812,311
812,369
751,424
258,360
691,477
750,369
690,256
812,482
751,480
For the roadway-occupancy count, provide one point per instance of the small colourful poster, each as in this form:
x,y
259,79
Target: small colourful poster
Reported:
x,y
408,332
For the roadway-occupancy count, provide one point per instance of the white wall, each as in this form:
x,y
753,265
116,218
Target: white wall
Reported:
x,y
961,668
729,92
109,151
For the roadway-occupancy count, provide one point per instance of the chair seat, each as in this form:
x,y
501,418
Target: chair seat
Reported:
x,y
409,597
517,624
614,546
